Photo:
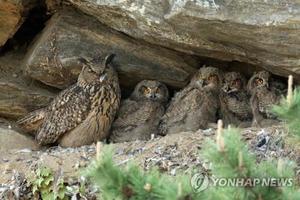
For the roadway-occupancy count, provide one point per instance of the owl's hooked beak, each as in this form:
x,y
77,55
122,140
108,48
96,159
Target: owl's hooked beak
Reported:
x,y
226,88
153,96
102,77
200,83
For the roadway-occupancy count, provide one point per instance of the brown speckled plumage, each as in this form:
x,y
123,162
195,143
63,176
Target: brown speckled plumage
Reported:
x,y
196,105
139,115
234,99
82,113
263,96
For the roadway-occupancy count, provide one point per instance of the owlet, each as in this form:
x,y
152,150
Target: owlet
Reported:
x,y
196,105
139,115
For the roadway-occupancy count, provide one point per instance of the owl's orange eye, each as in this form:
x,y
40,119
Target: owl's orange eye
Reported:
x,y
147,90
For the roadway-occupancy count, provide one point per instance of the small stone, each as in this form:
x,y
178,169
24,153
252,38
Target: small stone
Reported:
x,y
24,151
173,172
76,166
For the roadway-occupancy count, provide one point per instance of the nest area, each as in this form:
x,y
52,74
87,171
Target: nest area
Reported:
x,y
172,154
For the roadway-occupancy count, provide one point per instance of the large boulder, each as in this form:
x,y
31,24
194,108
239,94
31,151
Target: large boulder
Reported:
x,y
12,139
70,34
17,99
19,95
258,32
12,15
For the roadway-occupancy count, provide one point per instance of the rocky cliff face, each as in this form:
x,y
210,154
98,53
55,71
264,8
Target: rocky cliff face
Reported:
x,y
19,94
12,15
264,33
163,40
69,35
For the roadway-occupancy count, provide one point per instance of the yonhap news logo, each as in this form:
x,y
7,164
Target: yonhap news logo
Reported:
x,y
200,182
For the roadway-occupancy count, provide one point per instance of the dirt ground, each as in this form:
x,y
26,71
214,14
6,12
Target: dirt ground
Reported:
x,y
171,153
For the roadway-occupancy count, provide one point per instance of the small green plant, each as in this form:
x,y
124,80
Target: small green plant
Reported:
x,y
59,189
289,112
45,186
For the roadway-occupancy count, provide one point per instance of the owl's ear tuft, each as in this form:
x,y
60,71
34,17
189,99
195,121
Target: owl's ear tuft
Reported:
x,y
83,60
108,59
142,88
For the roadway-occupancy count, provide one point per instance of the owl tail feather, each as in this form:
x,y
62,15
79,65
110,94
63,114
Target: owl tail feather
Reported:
x,y
31,122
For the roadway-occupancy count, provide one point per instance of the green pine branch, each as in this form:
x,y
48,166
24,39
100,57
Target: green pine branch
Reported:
x,y
289,112
131,182
235,160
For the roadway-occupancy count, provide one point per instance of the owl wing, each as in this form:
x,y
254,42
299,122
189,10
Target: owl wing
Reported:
x,y
244,110
63,97
33,120
128,106
68,110
179,96
133,113
265,104
183,104
235,108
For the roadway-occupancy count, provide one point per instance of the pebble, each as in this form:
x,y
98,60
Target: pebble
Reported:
x,y
24,151
208,132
